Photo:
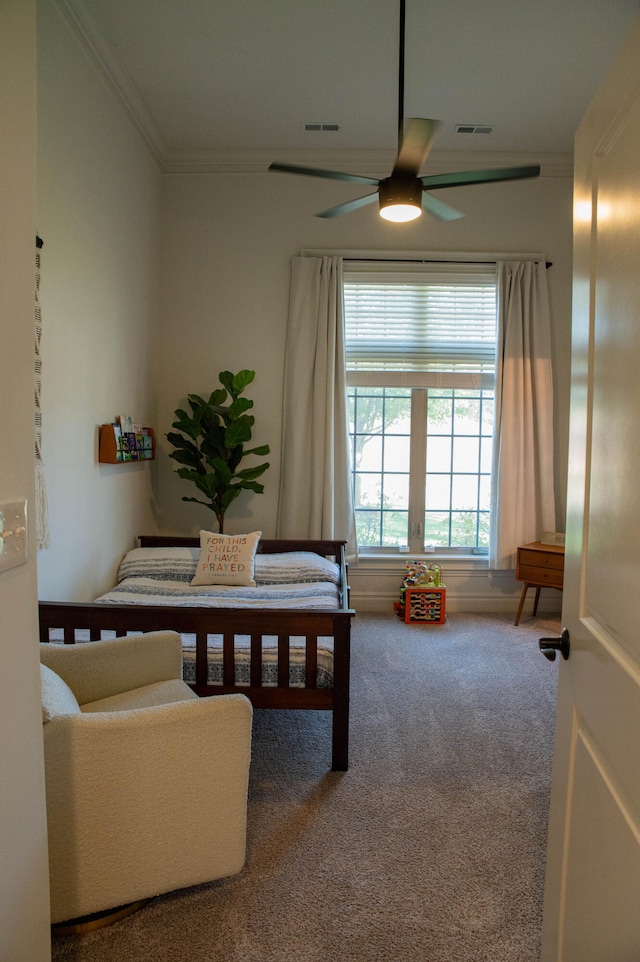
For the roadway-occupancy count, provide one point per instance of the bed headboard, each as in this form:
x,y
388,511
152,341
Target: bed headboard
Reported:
x,y
265,545
325,547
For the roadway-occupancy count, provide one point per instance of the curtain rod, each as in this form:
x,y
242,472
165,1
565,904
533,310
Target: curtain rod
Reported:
x,y
413,260
426,257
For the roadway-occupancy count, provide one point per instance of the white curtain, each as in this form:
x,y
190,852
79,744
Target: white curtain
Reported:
x,y
523,499
315,491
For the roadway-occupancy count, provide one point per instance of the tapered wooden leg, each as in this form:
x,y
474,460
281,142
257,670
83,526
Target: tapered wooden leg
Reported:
x,y
537,599
520,606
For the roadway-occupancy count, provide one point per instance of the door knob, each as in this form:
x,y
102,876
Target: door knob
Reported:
x,y
549,646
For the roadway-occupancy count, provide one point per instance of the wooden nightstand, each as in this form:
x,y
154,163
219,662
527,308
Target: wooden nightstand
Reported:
x,y
540,566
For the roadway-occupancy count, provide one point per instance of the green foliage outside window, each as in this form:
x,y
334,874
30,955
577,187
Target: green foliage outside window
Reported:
x,y
380,421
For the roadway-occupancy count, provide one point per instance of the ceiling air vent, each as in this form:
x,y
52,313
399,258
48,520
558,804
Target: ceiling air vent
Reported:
x,y
322,128
473,129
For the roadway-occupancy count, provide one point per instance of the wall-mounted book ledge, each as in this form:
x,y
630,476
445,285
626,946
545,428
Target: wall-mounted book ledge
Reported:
x,y
119,447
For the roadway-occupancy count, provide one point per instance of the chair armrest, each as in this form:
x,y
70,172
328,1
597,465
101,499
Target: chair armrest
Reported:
x,y
154,794
98,669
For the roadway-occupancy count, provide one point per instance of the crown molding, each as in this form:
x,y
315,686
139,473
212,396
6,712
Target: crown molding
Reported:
x,y
371,163
84,25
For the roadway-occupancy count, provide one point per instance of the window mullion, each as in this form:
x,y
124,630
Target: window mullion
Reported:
x,y
417,469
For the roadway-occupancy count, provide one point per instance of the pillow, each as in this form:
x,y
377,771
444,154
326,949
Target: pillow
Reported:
x,y
226,559
57,697
295,568
160,564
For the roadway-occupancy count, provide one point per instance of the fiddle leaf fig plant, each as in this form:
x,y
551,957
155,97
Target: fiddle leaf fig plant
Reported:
x,y
211,444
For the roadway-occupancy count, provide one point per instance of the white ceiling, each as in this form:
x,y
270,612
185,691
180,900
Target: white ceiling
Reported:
x,y
231,76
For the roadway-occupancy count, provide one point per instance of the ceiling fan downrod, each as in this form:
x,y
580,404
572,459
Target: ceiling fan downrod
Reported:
x,y
401,43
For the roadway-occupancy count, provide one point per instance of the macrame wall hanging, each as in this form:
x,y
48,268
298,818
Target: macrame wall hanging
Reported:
x,y
42,516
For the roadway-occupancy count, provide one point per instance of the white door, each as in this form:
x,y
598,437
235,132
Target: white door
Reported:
x,y
592,896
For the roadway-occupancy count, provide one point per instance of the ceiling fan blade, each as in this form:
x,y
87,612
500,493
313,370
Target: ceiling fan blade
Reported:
x,y
319,172
418,134
438,209
464,177
349,205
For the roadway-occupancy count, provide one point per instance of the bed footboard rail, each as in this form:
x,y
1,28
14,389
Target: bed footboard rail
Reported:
x,y
72,621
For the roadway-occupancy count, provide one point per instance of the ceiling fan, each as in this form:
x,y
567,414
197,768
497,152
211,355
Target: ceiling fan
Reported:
x,y
404,194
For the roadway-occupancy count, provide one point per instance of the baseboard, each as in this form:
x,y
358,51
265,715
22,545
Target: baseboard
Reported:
x,y
468,605
470,590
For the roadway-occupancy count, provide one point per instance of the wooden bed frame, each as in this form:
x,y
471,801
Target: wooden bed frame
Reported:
x,y
228,622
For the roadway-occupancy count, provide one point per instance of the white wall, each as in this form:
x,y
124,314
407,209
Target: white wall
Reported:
x,y
228,241
99,215
24,893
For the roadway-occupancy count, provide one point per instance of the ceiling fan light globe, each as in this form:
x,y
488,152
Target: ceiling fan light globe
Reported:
x,y
400,213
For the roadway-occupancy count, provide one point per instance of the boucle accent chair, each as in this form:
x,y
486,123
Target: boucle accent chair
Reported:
x,y
146,782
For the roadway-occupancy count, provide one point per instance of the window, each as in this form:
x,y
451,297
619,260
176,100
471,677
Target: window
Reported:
x,y
420,347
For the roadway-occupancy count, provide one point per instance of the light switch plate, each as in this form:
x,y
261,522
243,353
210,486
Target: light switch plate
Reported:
x,y
13,533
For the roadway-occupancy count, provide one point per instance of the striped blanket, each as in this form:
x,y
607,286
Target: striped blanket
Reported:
x,y
324,676
292,579
162,576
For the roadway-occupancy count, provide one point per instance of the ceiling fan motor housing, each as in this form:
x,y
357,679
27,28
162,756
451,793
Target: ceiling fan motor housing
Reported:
x,y
400,190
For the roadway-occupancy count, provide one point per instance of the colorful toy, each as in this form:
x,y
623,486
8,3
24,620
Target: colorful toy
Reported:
x,y
420,575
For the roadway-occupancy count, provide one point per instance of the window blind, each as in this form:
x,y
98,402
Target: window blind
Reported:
x,y
421,321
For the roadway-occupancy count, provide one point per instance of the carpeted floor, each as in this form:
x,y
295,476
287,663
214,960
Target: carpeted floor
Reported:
x,y
431,847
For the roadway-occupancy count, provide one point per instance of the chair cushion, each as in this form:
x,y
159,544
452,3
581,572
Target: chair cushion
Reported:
x,y
159,693
57,697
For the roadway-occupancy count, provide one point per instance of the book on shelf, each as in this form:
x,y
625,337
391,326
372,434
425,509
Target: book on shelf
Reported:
x,y
146,445
133,445
117,434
